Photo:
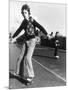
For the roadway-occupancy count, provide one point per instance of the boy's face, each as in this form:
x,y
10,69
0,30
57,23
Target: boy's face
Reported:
x,y
25,14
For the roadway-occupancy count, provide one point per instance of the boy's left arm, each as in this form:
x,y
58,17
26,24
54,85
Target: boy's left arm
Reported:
x,y
41,28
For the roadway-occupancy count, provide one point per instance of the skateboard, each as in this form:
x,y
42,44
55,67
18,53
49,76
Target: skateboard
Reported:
x,y
24,79
21,79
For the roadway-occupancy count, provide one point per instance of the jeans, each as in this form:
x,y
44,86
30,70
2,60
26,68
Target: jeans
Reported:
x,y
26,58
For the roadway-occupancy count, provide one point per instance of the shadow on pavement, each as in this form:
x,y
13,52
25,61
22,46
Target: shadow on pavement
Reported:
x,y
23,81
45,56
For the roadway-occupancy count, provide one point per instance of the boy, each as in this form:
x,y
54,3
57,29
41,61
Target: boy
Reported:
x,y
29,26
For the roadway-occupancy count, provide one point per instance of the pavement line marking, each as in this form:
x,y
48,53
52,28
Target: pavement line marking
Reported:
x,y
49,70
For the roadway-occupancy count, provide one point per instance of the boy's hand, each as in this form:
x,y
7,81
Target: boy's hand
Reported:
x,y
13,40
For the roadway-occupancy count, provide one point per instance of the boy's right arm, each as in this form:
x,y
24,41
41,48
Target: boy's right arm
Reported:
x,y
18,30
15,35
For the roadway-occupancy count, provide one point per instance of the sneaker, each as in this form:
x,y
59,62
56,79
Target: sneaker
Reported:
x,y
15,74
57,57
29,79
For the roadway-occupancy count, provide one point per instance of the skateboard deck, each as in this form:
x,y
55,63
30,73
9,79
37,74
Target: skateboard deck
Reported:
x,y
21,79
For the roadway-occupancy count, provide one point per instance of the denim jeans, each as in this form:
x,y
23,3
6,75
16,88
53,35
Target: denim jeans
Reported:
x,y
26,57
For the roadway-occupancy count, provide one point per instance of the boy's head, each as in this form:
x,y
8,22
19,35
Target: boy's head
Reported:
x,y
25,11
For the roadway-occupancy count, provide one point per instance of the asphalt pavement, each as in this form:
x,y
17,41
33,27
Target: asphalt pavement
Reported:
x,y
49,72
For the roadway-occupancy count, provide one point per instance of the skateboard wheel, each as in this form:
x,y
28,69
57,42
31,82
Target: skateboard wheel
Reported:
x,y
29,83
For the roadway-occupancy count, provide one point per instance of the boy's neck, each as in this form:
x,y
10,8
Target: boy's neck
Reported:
x,y
27,18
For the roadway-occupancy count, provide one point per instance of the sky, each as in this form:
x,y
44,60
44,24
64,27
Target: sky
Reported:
x,y
51,16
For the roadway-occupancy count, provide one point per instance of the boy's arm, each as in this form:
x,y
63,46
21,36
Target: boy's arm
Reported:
x,y
18,30
16,34
40,27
